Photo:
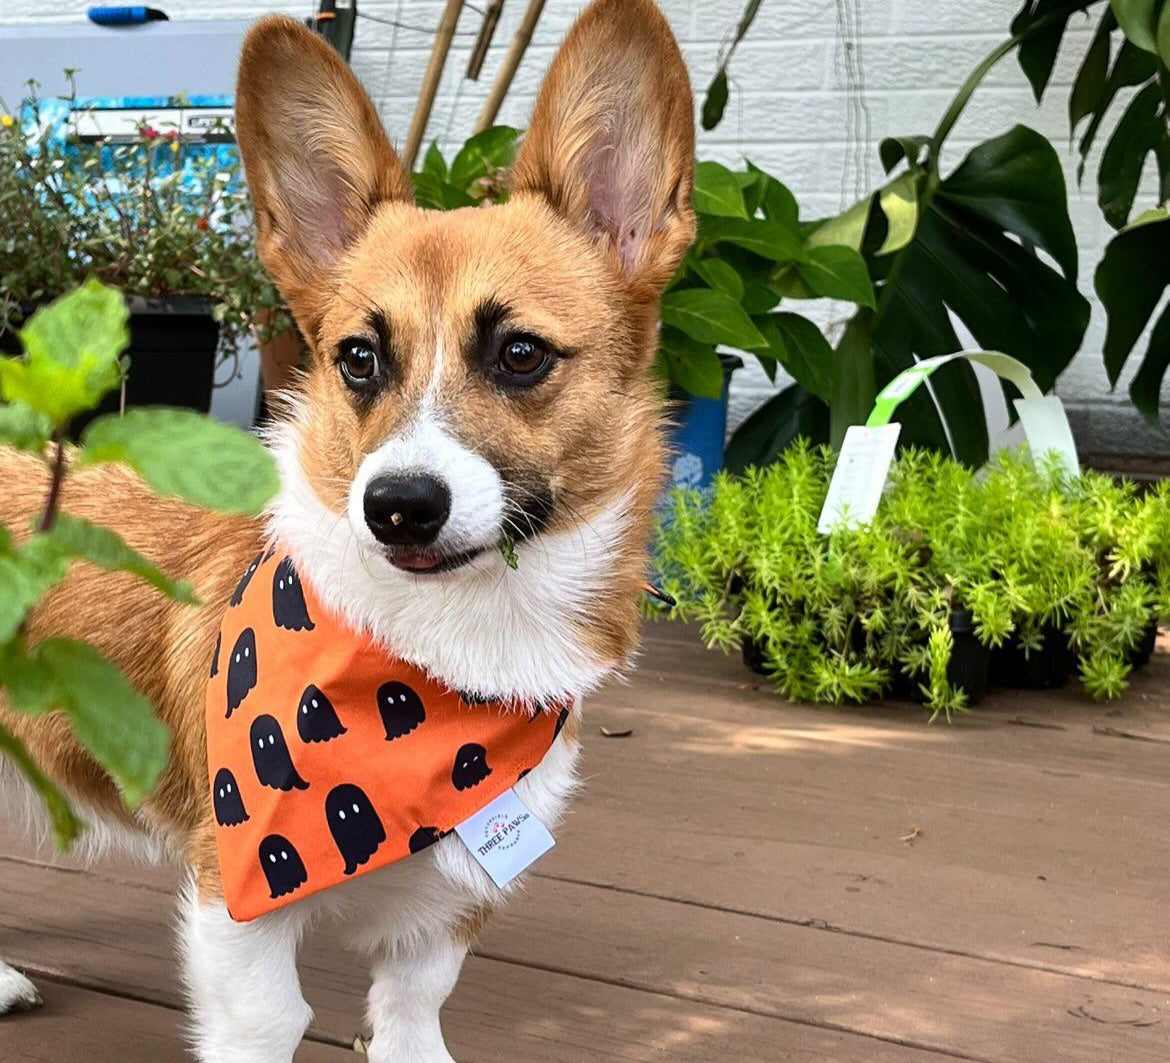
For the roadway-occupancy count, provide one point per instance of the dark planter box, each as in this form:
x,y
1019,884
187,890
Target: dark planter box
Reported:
x,y
172,355
1144,650
1044,669
968,667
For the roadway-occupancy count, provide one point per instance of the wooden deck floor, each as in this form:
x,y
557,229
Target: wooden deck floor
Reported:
x,y
744,882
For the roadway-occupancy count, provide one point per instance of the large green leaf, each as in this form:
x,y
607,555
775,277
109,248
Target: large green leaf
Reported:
x,y
435,193
801,348
181,453
710,317
774,200
483,154
720,275
899,203
1146,387
790,414
1042,24
434,164
717,192
972,258
24,428
1138,20
1131,280
110,718
1088,89
71,351
1016,183
693,366
1139,132
837,273
25,576
1131,67
76,539
768,239
1164,35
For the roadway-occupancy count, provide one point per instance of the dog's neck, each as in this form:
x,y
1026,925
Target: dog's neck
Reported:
x,y
498,632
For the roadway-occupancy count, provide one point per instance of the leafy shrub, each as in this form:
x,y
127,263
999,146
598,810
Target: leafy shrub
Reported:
x,y
72,358
147,216
845,616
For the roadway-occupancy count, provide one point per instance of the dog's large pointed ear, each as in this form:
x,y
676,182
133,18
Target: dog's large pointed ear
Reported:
x,y
612,140
315,155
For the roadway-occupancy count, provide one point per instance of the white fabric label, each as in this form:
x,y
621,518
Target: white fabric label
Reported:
x,y
860,476
505,837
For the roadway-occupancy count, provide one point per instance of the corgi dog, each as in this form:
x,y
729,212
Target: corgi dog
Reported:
x,y
477,376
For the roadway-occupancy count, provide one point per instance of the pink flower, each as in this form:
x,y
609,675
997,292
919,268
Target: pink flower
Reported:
x,y
148,132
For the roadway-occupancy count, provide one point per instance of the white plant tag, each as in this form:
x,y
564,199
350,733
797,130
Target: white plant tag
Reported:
x,y
1046,426
505,837
860,476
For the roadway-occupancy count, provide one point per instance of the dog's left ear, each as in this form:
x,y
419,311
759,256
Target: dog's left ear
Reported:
x,y
612,140
317,160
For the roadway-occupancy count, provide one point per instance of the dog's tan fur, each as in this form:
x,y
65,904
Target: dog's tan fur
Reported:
x,y
583,270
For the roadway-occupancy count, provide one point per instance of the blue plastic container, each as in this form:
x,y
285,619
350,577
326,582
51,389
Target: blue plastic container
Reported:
x,y
700,427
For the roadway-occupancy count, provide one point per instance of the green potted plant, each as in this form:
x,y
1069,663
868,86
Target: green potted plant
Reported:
x,y
955,569
171,232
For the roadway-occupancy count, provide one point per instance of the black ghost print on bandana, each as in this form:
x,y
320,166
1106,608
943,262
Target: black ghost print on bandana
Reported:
x,y
241,670
562,719
354,824
471,766
283,867
245,579
424,838
288,600
226,800
215,655
401,709
316,717
274,766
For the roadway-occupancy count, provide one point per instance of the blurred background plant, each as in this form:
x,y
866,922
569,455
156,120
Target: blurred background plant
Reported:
x,y
140,213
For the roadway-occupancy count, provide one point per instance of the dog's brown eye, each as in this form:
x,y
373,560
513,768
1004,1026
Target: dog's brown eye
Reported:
x,y
523,357
358,362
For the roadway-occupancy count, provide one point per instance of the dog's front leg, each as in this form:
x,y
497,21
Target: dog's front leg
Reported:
x,y
245,995
409,987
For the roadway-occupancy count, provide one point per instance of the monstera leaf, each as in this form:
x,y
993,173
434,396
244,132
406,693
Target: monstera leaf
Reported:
x,y
1130,50
967,254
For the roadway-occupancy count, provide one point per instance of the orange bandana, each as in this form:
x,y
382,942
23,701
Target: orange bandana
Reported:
x,y
328,757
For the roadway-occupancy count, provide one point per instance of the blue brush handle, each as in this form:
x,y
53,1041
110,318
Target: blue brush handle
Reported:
x,y
124,16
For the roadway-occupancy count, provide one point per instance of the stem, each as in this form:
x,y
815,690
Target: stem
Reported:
x,y
53,500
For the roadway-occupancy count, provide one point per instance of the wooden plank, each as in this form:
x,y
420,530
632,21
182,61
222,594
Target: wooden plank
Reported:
x,y
798,814
112,931
77,1023
803,975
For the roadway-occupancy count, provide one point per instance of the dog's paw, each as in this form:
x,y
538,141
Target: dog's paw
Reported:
x,y
17,993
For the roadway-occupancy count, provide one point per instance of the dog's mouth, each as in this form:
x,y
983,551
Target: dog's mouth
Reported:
x,y
430,562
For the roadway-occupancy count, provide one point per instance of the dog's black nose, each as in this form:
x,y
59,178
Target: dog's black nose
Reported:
x,y
406,510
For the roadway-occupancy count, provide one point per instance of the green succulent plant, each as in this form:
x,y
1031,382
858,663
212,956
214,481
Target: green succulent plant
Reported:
x,y
1027,552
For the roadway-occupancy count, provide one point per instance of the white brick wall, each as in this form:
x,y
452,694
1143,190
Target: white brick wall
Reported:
x,y
788,113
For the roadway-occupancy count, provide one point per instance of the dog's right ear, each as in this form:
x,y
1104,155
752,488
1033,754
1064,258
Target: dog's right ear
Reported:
x,y
315,155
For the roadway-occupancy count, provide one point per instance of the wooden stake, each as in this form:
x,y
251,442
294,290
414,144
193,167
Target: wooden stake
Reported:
x,y
434,74
503,82
483,42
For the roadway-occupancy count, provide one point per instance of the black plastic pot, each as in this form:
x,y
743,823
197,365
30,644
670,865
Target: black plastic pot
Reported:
x,y
172,355
753,656
1046,668
968,667
1140,655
